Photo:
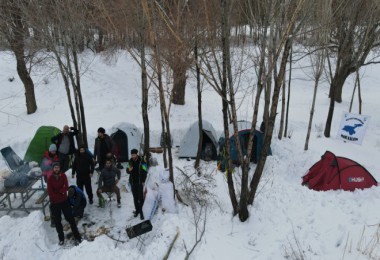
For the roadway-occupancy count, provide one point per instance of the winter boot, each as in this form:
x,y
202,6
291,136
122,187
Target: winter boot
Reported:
x,y
102,202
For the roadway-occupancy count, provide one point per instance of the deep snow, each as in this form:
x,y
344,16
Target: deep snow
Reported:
x,y
285,217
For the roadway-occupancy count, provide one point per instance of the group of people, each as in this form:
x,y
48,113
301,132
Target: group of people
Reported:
x,y
71,200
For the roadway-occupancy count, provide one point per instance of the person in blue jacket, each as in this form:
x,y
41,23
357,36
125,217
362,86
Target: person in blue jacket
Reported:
x,y
77,201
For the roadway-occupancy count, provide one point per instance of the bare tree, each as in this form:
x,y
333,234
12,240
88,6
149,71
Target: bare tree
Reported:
x,y
199,95
357,85
318,63
14,29
292,15
62,27
198,190
355,32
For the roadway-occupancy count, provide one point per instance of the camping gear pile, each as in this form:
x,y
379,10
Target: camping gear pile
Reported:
x,y
159,193
19,172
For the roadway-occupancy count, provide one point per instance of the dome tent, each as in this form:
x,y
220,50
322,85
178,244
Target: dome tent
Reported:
x,y
244,129
334,172
40,143
126,137
189,143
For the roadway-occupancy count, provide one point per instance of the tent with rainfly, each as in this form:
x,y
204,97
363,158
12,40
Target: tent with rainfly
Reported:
x,y
189,143
40,143
334,172
244,129
126,137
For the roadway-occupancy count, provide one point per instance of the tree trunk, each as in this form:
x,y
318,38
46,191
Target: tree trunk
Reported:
x,y
179,85
144,83
30,98
353,95
281,130
359,92
78,88
270,125
17,46
199,91
67,85
224,20
336,83
311,115
288,99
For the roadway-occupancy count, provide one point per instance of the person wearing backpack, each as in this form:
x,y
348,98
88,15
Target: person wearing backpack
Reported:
x,y
77,201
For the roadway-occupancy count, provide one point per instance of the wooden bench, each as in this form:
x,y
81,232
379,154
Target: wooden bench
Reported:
x,y
26,193
42,197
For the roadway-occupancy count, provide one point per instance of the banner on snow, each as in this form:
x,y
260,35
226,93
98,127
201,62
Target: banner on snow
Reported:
x,y
352,127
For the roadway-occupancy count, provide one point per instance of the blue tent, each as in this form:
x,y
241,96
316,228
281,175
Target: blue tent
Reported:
x,y
244,129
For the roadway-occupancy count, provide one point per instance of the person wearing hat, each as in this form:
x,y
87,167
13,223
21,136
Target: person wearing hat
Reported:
x,y
57,186
108,179
137,170
65,145
77,201
103,145
83,167
50,156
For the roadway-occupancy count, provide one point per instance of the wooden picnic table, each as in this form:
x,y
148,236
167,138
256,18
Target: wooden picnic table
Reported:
x,y
26,193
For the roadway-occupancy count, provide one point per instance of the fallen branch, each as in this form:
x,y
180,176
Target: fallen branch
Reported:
x,y
171,245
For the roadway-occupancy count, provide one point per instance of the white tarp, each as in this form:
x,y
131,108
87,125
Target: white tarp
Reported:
x,y
352,128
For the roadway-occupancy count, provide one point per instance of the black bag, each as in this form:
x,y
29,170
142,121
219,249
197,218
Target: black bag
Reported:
x,y
139,229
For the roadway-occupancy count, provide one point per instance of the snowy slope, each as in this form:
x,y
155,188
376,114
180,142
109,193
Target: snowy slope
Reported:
x,y
285,215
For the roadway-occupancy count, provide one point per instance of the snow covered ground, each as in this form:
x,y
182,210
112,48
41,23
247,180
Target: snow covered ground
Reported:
x,y
285,218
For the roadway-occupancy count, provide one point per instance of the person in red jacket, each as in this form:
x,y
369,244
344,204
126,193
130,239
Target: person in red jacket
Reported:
x,y
57,186
49,158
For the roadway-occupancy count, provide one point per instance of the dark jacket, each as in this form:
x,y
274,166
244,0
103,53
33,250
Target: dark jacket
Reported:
x,y
83,165
57,189
139,171
97,148
58,139
78,201
108,176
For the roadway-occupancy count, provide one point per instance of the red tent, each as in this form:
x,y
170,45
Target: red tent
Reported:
x,y
333,173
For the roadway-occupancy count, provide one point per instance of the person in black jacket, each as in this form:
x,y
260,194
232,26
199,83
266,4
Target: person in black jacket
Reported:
x,y
108,179
137,170
103,146
83,166
77,201
65,145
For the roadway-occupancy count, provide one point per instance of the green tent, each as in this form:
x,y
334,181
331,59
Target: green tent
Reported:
x,y
40,143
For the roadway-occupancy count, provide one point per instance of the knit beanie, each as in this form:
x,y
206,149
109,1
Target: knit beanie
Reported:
x,y
52,148
55,164
101,130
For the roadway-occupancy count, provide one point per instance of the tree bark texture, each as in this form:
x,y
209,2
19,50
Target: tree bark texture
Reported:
x,y
16,42
179,84
200,125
